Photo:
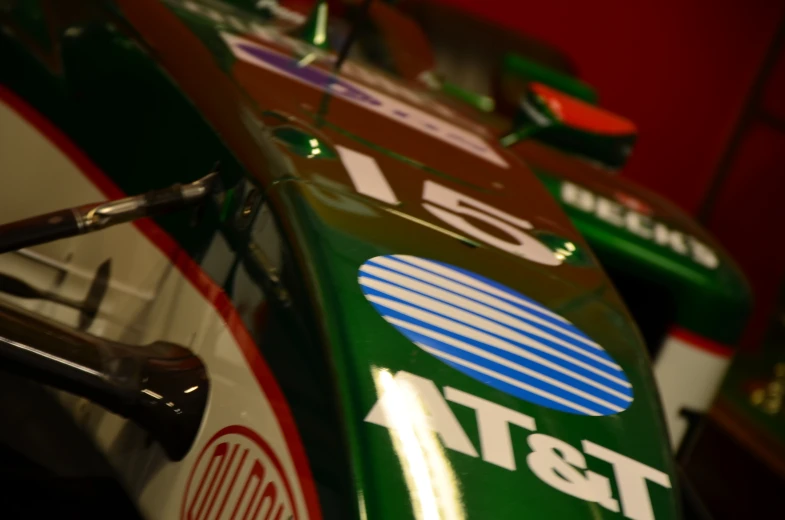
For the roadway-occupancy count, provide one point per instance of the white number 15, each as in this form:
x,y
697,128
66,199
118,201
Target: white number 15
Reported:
x,y
451,207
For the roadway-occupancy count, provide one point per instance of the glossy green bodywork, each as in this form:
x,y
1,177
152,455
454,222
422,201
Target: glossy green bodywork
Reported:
x,y
314,30
478,101
711,300
364,345
158,102
302,143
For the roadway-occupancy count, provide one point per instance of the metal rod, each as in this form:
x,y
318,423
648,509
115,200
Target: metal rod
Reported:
x,y
94,217
347,44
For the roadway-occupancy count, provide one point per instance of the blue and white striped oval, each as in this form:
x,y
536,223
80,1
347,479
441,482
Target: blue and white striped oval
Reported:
x,y
495,335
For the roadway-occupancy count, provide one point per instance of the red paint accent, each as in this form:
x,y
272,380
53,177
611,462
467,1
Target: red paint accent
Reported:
x,y
221,481
681,71
581,115
261,444
718,349
231,484
633,203
200,281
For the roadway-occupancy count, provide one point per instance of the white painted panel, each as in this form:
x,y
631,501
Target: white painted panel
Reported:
x,y
688,377
148,300
366,175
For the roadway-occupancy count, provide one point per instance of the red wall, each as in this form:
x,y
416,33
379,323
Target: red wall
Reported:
x,y
683,70
749,212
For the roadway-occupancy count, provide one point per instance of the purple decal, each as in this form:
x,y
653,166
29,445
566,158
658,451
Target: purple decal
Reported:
x,y
314,76
400,113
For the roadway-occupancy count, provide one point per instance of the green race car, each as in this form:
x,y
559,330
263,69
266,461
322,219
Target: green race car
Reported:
x,y
686,294
340,297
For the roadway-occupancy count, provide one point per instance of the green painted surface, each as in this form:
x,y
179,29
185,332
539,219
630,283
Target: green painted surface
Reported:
x,y
566,249
314,30
713,301
163,136
478,101
303,144
335,244
519,66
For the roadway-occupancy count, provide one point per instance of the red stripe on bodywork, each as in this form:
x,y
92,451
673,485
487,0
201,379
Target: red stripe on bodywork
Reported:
x,y
700,342
200,281
584,116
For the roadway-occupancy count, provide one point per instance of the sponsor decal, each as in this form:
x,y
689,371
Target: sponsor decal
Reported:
x,y
227,17
452,207
370,99
559,464
639,223
495,335
237,475
633,203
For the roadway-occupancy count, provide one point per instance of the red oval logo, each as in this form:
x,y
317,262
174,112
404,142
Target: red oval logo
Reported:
x,y
237,476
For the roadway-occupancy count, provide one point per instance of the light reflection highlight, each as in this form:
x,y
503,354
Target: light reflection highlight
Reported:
x,y
429,475
307,59
563,252
152,394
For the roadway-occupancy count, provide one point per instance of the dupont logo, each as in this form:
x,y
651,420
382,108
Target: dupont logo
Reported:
x,y
495,335
237,476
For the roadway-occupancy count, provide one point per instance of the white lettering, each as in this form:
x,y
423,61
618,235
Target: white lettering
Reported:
x,y
440,418
369,180
453,204
610,211
366,175
601,487
492,423
578,197
639,224
702,254
555,462
669,237
631,477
